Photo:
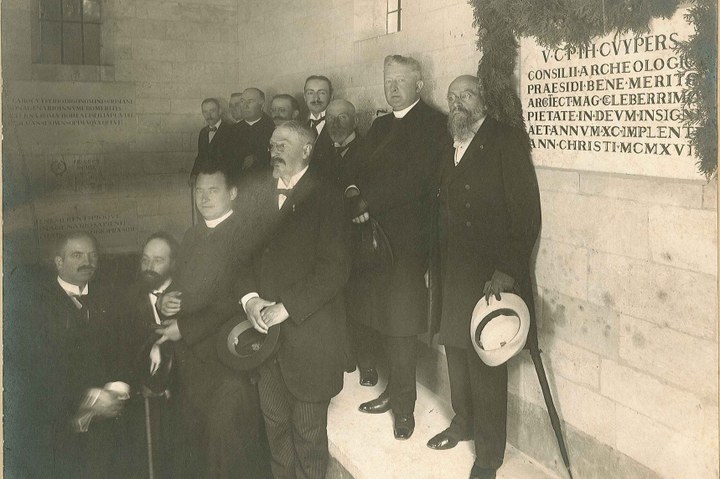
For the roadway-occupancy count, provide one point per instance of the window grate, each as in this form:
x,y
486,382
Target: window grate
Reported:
x,y
70,31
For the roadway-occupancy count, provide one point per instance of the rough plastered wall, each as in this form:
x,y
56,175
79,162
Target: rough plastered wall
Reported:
x,y
164,56
625,268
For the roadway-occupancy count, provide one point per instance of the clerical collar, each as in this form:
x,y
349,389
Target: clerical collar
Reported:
x,y
162,287
320,115
217,221
72,289
293,180
476,126
347,141
251,123
404,111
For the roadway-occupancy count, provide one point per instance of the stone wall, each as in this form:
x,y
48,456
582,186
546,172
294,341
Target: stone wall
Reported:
x,y
626,265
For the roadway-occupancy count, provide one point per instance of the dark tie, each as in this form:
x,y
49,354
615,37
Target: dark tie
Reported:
x,y
315,123
81,298
284,191
213,128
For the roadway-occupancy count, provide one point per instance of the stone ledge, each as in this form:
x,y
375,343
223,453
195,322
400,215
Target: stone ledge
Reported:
x,y
362,446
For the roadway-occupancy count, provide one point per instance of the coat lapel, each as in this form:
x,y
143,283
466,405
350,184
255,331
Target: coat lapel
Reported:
x,y
474,153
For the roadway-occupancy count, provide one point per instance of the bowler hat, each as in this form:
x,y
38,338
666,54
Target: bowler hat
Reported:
x,y
240,346
499,328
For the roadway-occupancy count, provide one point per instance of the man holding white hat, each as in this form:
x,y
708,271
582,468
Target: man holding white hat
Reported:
x,y
489,223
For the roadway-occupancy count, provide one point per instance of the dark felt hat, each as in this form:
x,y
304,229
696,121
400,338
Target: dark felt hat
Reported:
x,y
240,346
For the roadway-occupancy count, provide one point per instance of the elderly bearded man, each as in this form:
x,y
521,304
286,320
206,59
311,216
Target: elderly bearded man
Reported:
x,y
294,282
489,223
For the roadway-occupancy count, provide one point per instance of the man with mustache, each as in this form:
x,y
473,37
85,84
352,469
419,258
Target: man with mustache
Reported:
x,y
294,281
341,123
254,130
217,141
284,108
219,406
397,187
63,392
141,320
489,223
318,92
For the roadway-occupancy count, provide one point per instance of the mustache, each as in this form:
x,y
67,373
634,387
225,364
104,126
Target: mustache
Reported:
x,y
86,268
276,160
150,274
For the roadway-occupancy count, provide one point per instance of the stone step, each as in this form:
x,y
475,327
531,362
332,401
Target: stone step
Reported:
x,y
363,447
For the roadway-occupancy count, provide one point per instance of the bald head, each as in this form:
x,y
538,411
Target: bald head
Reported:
x,y
341,120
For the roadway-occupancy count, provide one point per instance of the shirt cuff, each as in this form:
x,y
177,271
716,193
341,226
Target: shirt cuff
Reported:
x,y
247,298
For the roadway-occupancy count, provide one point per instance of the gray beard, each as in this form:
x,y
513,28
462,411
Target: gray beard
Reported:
x,y
460,124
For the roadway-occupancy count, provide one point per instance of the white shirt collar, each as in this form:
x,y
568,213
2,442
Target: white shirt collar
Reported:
x,y
251,123
217,221
163,286
347,141
293,180
320,115
404,111
217,125
72,289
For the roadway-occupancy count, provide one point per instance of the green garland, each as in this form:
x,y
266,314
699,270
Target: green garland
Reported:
x,y
500,23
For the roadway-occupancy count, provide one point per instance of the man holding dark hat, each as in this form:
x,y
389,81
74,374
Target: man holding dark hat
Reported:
x,y
219,406
489,223
294,282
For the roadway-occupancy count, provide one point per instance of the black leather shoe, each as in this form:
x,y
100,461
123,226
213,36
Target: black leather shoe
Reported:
x,y
442,441
368,376
403,426
482,473
377,406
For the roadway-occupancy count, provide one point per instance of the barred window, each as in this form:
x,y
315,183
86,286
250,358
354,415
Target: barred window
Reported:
x,y
70,31
394,9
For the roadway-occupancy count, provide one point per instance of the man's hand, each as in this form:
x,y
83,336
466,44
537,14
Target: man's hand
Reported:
x,y
107,404
254,308
169,304
170,332
500,282
355,206
274,314
155,358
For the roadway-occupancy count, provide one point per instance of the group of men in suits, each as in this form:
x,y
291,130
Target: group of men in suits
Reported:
x,y
329,237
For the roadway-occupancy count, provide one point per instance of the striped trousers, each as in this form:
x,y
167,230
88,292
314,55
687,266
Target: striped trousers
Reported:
x,y
296,430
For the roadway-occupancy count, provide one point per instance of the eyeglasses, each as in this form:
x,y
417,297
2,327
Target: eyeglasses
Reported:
x,y
279,147
464,96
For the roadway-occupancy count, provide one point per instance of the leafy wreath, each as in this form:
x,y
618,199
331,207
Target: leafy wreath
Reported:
x,y
500,23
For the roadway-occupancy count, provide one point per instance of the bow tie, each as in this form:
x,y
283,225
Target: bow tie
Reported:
x,y
213,128
314,123
284,191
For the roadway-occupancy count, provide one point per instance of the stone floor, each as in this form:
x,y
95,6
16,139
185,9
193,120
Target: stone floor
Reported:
x,y
365,447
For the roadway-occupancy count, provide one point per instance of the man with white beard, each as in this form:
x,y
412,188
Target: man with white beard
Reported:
x,y
489,222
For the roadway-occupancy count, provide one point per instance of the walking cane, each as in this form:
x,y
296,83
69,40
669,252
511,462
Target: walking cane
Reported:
x,y
552,412
148,436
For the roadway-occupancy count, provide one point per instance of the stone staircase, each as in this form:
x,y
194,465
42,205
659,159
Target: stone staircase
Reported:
x,y
362,446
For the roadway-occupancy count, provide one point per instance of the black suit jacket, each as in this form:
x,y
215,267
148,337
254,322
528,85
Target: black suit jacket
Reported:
x,y
398,180
57,352
303,262
255,139
344,168
323,150
489,220
225,146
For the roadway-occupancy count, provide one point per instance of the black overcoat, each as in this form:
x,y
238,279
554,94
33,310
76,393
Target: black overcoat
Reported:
x,y
489,220
398,180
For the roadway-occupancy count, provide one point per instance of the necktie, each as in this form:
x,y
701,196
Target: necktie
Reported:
x,y
80,300
213,128
314,123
